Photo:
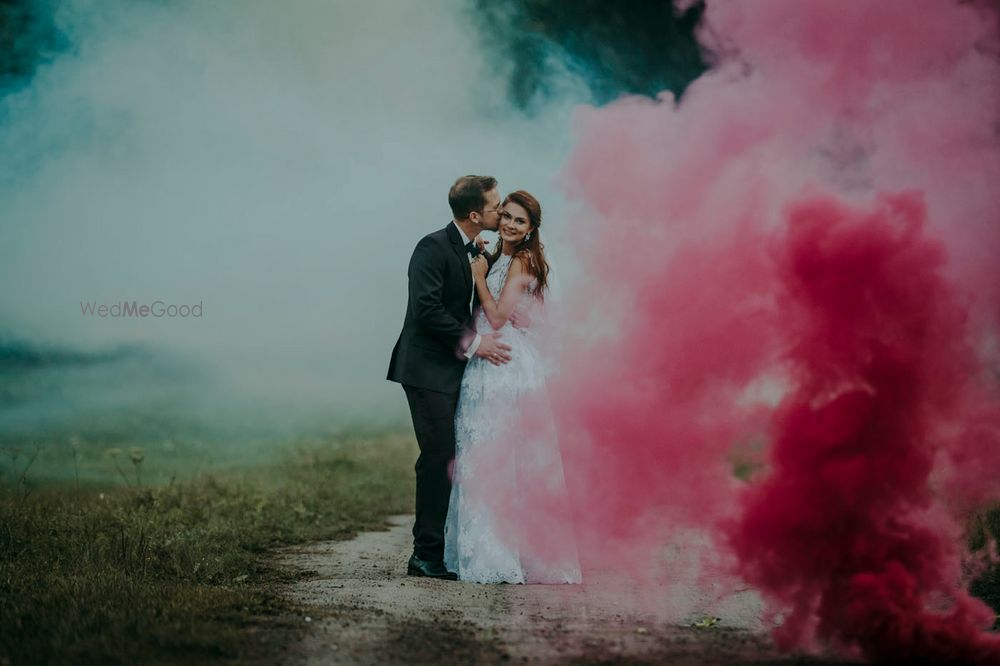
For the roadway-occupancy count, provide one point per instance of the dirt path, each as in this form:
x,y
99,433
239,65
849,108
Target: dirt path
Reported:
x,y
362,609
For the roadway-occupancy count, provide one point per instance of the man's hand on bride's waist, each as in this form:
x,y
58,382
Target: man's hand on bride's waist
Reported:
x,y
493,350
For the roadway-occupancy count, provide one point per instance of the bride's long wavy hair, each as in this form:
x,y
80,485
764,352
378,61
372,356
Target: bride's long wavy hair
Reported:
x,y
531,248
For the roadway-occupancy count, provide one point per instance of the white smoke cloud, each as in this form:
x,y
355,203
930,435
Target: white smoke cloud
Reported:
x,y
274,161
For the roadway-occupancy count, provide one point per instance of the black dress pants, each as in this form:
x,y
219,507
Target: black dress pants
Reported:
x,y
433,416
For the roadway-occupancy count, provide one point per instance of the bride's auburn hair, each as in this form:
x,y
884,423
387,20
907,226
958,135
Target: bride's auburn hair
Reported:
x,y
531,250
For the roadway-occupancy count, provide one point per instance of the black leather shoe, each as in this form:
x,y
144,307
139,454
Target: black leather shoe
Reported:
x,y
429,569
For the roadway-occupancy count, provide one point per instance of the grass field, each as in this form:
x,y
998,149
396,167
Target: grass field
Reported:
x,y
116,573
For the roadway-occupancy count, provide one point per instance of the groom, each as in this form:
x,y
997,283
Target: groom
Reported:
x,y
430,355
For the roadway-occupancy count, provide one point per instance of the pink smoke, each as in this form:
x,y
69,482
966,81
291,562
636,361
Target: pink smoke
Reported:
x,y
800,256
844,532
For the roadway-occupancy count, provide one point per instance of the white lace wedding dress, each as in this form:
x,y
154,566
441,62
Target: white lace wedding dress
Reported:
x,y
508,518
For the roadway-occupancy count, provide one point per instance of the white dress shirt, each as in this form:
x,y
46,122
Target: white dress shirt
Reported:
x,y
474,345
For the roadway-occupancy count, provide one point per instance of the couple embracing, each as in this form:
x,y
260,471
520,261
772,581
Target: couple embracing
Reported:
x,y
490,486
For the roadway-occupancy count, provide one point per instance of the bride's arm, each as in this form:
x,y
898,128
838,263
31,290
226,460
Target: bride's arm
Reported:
x,y
497,313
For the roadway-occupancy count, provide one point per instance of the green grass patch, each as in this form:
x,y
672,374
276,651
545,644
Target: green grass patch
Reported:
x,y
123,574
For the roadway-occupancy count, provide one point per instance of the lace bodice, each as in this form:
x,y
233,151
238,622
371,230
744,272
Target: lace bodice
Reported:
x,y
497,276
495,280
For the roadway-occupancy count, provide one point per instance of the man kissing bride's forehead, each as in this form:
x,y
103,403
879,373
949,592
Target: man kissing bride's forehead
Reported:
x,y
467,343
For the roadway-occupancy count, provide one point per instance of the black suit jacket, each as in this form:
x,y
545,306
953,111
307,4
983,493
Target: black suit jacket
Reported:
x,y
438,322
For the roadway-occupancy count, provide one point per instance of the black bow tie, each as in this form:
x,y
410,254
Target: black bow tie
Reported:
x,y
473,249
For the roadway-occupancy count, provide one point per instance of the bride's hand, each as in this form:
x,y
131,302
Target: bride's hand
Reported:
x,y
479,267
521,316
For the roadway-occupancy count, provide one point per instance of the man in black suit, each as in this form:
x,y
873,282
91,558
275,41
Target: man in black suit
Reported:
x,y
430,355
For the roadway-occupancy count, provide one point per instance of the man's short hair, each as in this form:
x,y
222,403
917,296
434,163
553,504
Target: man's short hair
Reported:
x,y
468,195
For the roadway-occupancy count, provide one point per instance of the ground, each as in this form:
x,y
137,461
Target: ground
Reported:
x,y
359,607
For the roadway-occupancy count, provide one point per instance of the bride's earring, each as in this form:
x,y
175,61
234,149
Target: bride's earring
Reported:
x,y
527,237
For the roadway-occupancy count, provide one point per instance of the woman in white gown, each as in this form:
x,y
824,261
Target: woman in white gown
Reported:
x,y
508,518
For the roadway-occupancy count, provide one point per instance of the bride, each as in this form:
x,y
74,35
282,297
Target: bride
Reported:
x,y
508,518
